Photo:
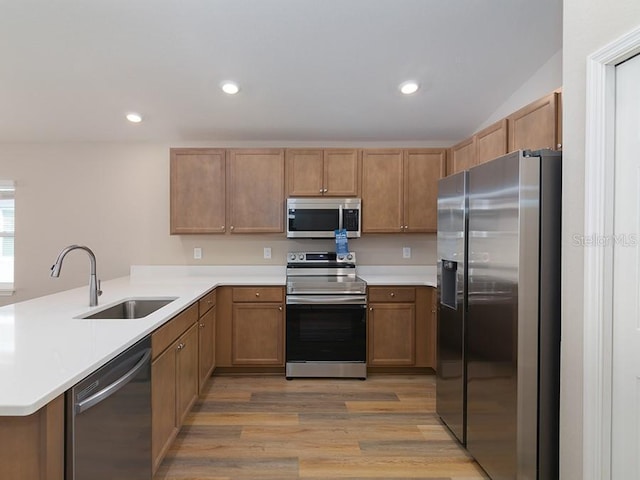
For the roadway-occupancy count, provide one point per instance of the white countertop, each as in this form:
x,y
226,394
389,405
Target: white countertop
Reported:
x,y
45,350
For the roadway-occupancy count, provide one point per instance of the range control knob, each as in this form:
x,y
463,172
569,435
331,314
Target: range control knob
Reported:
x,y
340,257
349,257
301,256
292,256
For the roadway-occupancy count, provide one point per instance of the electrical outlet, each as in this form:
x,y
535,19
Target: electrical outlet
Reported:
x,y
267,252
197,253
406,252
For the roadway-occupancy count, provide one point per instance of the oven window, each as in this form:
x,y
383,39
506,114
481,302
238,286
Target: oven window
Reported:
x,y
313,220
326,333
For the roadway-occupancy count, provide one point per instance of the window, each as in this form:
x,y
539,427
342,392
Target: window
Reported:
x,y
7,234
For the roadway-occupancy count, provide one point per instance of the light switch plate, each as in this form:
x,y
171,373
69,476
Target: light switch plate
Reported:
x,y
406,252
197,253
267,252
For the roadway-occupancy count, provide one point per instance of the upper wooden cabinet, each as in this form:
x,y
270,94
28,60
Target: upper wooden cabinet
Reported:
x,y
317,172
400,189
491,142
536,126
255,182
462,156
197,199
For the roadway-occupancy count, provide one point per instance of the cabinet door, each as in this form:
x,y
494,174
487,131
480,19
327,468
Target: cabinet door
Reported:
x,y
257,334
535,126
422,170
256,191
197,192
187,372
341,173
164,425
305,173
382,183
206,343
391,334
463,156
492,142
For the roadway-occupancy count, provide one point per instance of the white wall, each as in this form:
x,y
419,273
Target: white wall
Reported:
x,y
545,80
588,26
114,198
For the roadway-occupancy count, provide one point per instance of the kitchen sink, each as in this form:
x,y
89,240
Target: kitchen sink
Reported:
x,y
129,308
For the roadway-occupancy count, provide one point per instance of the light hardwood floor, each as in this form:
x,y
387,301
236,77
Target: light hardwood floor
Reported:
x,y
268,428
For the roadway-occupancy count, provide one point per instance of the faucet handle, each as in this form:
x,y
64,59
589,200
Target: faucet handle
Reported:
x,y
99,289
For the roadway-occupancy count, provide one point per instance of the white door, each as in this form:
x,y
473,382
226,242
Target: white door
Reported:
x,y
625,448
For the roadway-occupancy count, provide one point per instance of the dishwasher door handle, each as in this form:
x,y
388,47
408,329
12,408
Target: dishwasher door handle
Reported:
x,y
109,390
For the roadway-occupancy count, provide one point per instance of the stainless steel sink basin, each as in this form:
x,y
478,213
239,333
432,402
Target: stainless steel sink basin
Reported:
x,y
129,308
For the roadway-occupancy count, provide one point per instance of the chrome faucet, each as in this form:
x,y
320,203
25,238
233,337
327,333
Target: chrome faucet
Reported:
x,y
94,283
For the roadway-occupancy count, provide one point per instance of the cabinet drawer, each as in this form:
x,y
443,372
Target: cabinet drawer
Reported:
x,y
392,294
258,294
167,334
206,302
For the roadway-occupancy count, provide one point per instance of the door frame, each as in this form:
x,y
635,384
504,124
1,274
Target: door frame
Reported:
x,y
598,259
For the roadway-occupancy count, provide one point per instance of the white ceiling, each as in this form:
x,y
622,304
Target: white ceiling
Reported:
x,y
309,70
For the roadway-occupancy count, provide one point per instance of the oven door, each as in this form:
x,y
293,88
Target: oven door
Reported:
x,y
320,332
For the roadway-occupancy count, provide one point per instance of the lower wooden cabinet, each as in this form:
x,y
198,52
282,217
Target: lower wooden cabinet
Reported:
x,y
401,327
206,339
33,445
257,326
174,379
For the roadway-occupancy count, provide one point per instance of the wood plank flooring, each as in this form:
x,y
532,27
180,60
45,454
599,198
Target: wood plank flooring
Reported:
x,y
268,428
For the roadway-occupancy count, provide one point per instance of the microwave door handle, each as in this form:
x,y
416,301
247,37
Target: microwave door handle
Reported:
x,y
340,215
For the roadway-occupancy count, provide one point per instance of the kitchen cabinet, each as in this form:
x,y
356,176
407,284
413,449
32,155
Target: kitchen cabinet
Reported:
x,y
491,142
174,379
255,182
402,327
536,126
206,339
462,156
391,326
33,445
257,326
197,190
318,172
400,189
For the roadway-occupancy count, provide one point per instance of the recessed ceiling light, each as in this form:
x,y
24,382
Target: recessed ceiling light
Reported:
x,y
134,117
230,87
407,88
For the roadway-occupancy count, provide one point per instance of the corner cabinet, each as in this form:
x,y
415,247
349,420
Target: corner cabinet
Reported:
x,y
536,126
317,172
255,181
197,190
400,190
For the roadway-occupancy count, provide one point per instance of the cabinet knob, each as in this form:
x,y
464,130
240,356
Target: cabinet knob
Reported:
x,y
371,309
392,294
231,227
325,190
280,308
180,346
257,294
321,190
201,325
221,227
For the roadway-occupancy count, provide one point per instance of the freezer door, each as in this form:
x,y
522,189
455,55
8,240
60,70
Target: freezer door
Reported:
x,y
452,247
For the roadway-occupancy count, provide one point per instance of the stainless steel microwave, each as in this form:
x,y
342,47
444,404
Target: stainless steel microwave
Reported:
x,y
320,217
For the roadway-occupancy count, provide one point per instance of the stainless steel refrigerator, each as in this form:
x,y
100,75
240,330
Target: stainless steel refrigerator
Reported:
x,y
499,312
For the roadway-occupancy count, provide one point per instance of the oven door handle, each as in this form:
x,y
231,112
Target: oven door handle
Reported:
x,y
327,300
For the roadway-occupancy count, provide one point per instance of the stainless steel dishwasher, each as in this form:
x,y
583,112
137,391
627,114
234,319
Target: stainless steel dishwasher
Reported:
x,y
108,432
